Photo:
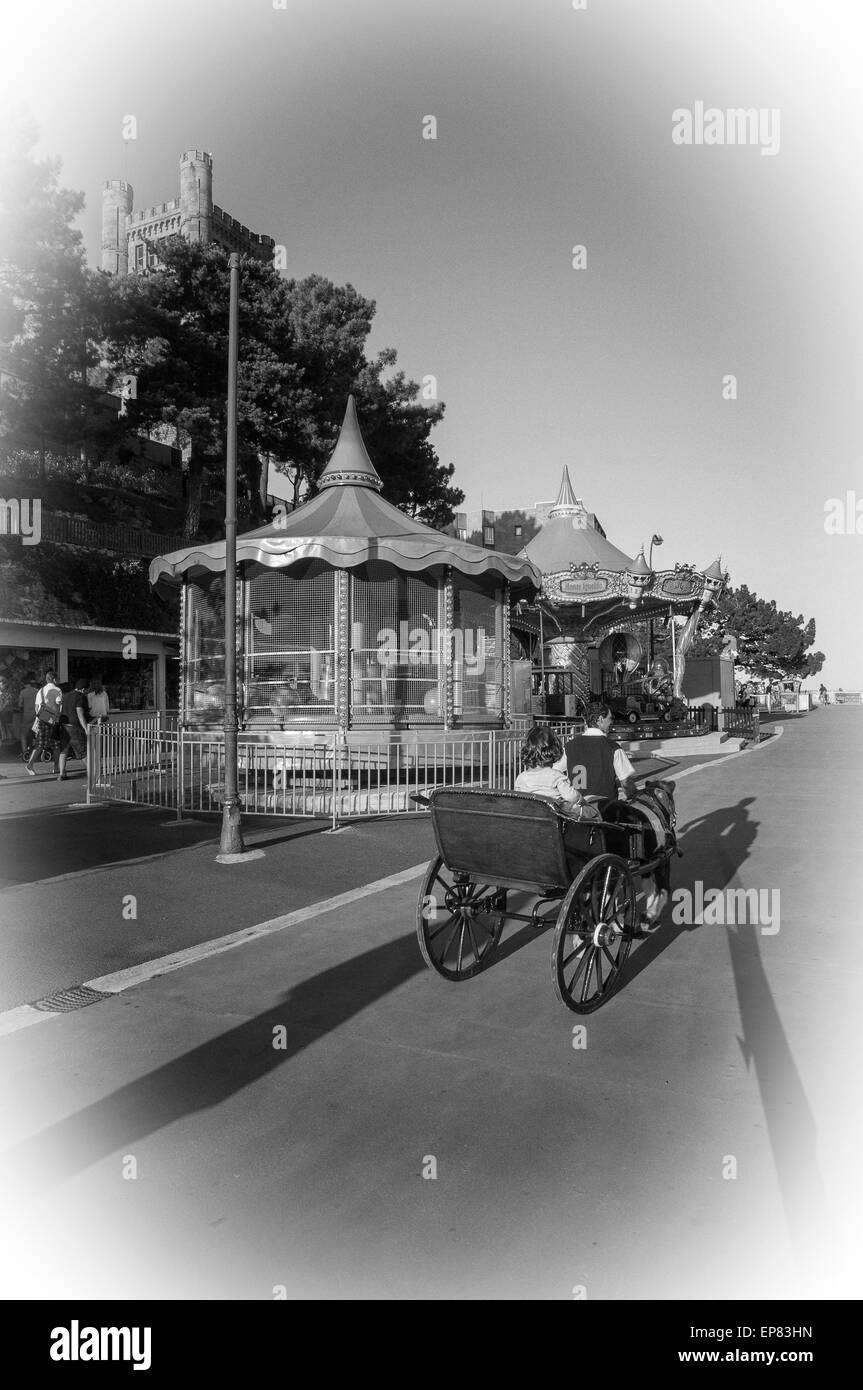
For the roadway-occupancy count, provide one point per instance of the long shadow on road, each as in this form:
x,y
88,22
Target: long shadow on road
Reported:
x,y
210,1074
716,846
57,840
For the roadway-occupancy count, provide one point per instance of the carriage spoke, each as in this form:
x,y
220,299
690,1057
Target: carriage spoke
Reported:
x,y
578,969
453,917
591,957
460,946
612,960
600,983
605,894
476,951
450,939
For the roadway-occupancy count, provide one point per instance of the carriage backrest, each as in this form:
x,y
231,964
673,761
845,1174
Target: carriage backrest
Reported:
x,y
500,836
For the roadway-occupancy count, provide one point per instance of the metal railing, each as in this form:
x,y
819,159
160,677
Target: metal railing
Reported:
x,y
324,777
740,722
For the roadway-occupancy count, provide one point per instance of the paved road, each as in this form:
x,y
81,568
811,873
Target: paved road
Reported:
x,y
704,1143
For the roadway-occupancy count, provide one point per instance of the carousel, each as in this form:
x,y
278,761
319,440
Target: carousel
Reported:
x,y
351,617
608,626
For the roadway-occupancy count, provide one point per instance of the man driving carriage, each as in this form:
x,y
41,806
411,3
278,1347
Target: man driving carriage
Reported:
x,y
594,762
598,767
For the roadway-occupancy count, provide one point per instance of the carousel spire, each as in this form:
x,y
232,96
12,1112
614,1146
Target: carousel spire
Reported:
x,y
567,503
714,571
349,464
641,566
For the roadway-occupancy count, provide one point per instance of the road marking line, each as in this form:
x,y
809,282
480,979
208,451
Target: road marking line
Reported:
x,y
24,1016
726,757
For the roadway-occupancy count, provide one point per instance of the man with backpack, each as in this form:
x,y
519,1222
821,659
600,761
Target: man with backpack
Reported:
x,y
48,706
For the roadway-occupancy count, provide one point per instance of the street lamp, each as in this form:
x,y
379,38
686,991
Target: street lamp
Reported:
x,y
231,848
654,540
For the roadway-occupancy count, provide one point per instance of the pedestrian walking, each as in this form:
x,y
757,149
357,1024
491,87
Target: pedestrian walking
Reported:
x,y
99,709
48,705
7,712
73,726
97,702
27,711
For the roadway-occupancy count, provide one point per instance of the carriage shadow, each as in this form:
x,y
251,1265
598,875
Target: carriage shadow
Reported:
x,y
714,847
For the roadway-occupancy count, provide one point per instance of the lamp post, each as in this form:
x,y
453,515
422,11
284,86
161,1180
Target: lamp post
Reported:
x,y
654,540
231,843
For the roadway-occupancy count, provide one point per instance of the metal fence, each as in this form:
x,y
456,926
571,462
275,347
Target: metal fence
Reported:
x,y
324,777
139,761
740,722
125,540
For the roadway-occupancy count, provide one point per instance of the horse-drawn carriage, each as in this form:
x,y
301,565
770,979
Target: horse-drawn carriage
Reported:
x,y
582,874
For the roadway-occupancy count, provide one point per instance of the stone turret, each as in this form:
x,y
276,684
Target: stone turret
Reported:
x,y
196,196
116,210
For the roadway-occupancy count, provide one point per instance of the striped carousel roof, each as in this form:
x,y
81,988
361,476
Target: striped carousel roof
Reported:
x,y
346,524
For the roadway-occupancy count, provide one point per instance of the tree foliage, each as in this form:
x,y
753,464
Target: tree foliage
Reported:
x,y
302,350
772,644
54,311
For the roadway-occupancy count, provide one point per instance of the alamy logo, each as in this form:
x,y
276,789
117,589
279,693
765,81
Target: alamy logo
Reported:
x,y
418,646
76,1343
21,517
843,516
727,907
736,126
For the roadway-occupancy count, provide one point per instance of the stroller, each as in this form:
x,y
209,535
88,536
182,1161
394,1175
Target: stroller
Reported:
x,y
48,754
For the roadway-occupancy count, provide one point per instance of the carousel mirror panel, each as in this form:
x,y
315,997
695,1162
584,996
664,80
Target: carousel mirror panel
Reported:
x,y
289,648
396,672
478,673
204,654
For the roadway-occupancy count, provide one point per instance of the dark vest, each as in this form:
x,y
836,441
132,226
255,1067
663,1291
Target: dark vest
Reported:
x,y
596,756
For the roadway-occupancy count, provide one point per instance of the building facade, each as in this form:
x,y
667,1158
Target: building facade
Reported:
x,y
129,238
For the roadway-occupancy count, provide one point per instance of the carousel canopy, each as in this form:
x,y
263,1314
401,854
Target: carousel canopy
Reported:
x,y
594,587
568,538
348,524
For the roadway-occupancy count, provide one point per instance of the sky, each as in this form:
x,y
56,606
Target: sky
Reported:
x,y
554,130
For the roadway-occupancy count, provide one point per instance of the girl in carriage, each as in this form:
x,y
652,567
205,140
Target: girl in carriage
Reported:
x,y
544,774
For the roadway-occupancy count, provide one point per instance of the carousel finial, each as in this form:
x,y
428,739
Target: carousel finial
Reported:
x,y
349,464
567,503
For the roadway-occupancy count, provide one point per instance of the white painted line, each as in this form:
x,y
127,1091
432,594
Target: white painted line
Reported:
x,y
727,757
25,1016
124,979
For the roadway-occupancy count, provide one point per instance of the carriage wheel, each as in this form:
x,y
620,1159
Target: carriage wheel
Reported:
x,y
459,922
594,932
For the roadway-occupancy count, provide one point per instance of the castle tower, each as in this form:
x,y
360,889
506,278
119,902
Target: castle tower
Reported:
x,y
116,211
196,196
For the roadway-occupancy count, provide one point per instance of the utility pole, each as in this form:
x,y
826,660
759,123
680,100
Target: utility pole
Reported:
x,y
655,540
232,833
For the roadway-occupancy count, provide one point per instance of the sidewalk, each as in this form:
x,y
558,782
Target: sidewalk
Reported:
x,y
315,1109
